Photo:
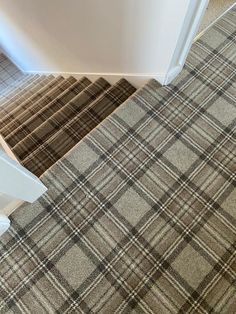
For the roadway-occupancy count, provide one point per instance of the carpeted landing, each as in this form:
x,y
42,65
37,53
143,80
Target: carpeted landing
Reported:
x,y
140,216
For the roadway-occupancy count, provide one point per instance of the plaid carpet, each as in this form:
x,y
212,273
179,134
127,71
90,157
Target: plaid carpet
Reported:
x,y
16,89
33,86
9,73
28,109
33,104
17,86
50,151
60,119
140,216
23,94
46,112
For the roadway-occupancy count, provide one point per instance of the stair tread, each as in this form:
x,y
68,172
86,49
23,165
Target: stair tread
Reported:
x,y
9,72
22,96
68,136
25,93
13,86
19,115
60,118
6,103
46,112
14,90
21,112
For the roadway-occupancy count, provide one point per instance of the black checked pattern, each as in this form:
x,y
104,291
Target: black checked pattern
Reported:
x,y
140,215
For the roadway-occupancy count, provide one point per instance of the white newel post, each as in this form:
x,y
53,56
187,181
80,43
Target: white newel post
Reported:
x,y
17,185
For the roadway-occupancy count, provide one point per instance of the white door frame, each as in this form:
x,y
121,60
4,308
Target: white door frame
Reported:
x,y
194,14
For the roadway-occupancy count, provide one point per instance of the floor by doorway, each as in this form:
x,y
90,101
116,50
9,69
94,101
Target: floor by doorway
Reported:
x,y
215,9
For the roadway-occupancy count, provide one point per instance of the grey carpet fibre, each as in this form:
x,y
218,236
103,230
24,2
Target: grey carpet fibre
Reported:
x,y
140,214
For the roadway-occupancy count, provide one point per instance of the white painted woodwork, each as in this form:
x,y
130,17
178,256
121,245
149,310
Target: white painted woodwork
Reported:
x,y
136,39
16,181
191,24
9,204
17,185
4,224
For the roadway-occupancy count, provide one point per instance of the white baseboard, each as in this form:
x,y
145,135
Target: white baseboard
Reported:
x,y
172,74
138,80
4,224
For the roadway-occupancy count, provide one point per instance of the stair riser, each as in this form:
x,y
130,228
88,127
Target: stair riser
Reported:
x,y
45,113
17,93
57,146
24,112
4,100
59,119
17,85
20,98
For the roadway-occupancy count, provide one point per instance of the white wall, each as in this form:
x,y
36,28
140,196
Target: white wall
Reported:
x,y
115,37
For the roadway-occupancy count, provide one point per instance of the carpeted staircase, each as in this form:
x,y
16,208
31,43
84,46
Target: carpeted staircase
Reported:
x,y
140,214
43,117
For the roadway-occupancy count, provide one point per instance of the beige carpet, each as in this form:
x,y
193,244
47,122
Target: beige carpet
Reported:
x,y
140,215
214,10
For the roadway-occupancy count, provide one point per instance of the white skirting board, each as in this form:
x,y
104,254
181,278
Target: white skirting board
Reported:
x,y
4,224
138,80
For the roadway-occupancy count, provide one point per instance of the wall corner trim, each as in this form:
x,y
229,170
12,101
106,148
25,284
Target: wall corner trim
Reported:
x,y
172,74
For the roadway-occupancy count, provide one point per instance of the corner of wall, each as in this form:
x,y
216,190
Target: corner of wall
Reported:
x,y
12,59
172,74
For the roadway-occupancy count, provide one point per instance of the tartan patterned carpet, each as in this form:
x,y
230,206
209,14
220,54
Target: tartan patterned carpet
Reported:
x,y
15,91
140,216
46,112
8,93
24,93
60,118
31,106
9,73
56,146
